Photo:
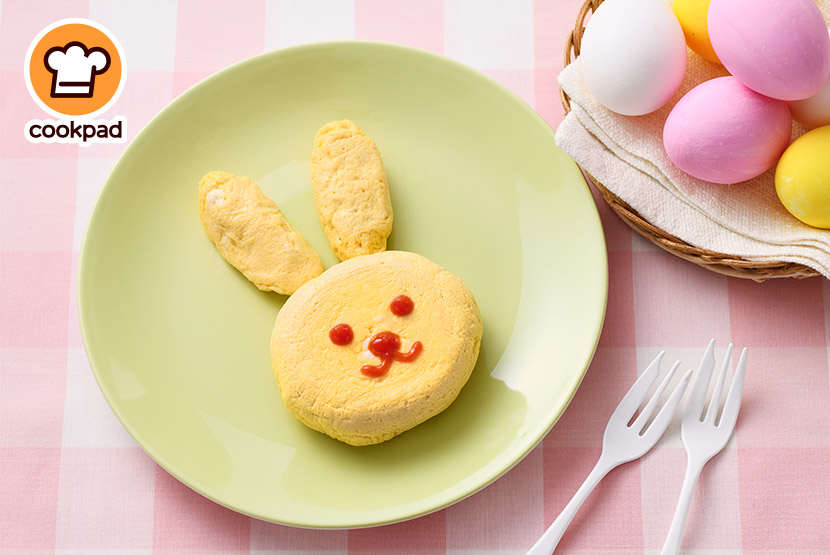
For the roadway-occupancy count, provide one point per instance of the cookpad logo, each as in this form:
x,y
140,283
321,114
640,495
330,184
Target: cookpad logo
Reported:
x,y
75,71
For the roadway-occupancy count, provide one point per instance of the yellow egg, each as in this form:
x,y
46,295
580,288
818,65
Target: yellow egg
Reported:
x,y
693,17
802,178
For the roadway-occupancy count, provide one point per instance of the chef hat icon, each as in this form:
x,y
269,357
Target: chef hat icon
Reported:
x,y
74,68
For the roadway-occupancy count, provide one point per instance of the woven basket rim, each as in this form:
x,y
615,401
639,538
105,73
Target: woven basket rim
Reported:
x,y
718,262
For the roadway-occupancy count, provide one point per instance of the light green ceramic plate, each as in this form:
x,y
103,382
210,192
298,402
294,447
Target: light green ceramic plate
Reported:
x,y
179,340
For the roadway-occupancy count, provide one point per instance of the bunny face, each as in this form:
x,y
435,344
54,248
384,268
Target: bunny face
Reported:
x,y
396,370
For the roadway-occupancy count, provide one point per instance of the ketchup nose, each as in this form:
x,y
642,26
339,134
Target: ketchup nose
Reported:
x,y
384,344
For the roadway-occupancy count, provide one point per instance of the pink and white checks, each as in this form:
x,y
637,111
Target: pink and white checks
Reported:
x,y
72,481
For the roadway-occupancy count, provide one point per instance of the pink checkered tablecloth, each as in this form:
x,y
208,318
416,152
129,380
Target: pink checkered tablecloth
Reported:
x,y
73,481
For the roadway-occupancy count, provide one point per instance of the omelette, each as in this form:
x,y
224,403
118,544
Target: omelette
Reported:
x,y
351,192
251,233
375,346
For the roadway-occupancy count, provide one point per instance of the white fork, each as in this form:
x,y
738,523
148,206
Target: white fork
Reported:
x,y
702,437
621,443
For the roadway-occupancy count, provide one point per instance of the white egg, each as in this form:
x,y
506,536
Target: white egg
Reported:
x,y
813,111
633,55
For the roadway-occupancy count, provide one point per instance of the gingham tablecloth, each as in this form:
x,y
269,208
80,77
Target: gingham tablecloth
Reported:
x,y
73,481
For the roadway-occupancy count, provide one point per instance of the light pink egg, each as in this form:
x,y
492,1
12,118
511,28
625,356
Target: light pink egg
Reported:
x,y
723,132
779,48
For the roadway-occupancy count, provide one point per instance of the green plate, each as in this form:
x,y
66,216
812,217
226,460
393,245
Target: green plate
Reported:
x,y
179,340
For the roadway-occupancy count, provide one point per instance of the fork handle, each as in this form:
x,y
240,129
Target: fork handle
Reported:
x,y
672,545
550,539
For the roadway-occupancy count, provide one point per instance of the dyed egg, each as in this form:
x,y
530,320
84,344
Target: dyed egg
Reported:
x,y
629,70
802,178
723,132
813,111
693,16
779,48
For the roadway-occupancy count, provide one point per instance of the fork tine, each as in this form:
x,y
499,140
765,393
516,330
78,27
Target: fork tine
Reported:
x,y
714,404
733,398
697,395
646,413
631,401
661,422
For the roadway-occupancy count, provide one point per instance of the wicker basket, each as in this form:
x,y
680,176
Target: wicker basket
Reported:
x,y
721,263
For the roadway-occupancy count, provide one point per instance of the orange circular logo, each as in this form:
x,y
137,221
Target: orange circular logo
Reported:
x,y
75,67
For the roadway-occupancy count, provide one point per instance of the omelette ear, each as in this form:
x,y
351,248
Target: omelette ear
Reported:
x,y
351,192
253,235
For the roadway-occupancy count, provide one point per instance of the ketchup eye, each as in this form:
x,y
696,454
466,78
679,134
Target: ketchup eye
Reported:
x,y
401,305
341,334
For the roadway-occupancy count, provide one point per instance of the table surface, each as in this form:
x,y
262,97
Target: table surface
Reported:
x,y
72,480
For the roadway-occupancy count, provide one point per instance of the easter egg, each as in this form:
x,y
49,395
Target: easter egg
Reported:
x,y
802,178
779,48
693,17
724,132
813,111
629,70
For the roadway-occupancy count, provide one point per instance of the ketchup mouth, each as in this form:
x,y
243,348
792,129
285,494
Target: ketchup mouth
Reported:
x,y
386,346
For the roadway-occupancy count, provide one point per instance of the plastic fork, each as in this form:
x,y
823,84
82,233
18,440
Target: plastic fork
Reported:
x,y
622,442
703,435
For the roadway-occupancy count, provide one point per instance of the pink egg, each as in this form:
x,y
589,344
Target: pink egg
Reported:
x,y
723,132
779,48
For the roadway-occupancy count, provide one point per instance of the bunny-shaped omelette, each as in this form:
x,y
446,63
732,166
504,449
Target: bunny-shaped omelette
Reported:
x,y
379,343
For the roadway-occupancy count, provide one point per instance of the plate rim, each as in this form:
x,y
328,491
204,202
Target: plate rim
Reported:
x,y
442,500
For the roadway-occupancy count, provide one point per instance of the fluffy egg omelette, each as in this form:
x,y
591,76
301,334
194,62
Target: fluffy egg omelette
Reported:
x,y
251,233
351,192
375,346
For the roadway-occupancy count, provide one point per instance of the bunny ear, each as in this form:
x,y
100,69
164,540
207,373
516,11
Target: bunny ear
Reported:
x,y
251,233
351,192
